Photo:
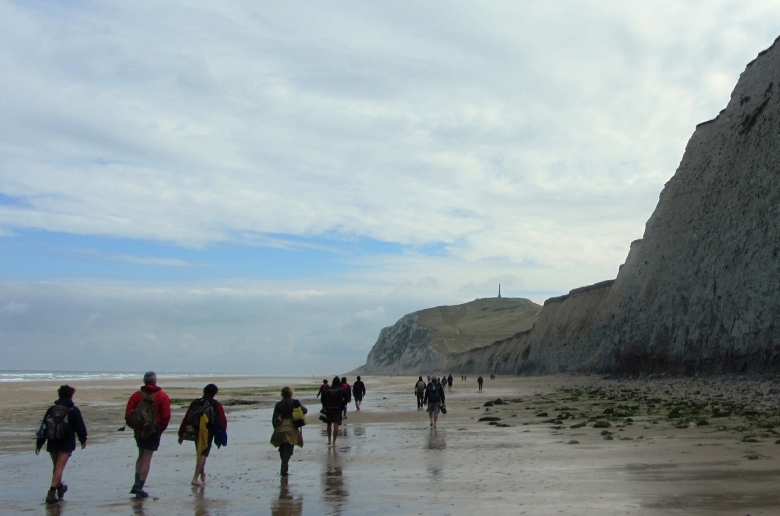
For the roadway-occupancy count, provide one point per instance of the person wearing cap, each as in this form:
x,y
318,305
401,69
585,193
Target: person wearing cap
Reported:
x,y
149,399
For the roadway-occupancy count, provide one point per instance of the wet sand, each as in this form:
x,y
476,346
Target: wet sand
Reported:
x,y
651,459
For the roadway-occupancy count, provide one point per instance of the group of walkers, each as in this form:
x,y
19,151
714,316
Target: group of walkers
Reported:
x,y
148,413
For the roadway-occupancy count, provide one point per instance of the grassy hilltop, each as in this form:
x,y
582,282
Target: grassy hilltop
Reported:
x,y
477,323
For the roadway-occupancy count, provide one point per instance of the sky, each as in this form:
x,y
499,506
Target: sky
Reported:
x,y
260,187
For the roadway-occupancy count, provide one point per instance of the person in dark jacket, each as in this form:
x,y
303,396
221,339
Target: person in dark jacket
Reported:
x,y
147,440
203,442
347,394
419,390
334,400
358,391
480,381
324,387
286,435
61,447
434,398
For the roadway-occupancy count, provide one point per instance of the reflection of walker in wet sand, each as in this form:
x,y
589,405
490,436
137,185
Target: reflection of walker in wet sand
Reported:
x,y
287,504
334,487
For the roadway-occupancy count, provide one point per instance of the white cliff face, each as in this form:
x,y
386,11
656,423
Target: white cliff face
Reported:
x,y
700,293
404,348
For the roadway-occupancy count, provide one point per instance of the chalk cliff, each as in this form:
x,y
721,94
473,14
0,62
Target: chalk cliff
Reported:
x,y
423,342
700,293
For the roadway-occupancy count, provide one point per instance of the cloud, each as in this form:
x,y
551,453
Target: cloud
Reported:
x,y
15,308
520,143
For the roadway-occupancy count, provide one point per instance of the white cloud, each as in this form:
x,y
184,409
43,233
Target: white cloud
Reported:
x,y
15,308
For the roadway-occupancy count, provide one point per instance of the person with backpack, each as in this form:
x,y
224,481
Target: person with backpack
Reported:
x,y
324,387
334,401
347,394
148,413
358,391
59,428
419,390
288,419
200,424
434,398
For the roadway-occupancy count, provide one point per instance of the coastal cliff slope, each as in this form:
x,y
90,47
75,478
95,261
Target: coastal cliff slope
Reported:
x,y
700,293
424,341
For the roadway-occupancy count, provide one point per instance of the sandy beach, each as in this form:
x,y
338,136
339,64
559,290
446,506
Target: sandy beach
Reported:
x,y
576,445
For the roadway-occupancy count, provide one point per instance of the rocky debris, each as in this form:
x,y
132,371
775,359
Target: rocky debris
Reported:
x,y
488,404
489,418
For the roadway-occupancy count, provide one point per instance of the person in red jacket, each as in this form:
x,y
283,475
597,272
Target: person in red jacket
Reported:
x,y
148,413
203,447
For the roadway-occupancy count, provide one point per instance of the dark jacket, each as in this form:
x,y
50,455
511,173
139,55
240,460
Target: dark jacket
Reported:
x,y
347,393
359,389
76,423
284,409
429,390
218,410
338,394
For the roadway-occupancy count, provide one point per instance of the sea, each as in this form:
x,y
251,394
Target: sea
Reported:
x,y
170,379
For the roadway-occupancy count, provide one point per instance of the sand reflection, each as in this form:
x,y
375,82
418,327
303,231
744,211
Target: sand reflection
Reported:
x,y
288,503
334,485
55,509
435,445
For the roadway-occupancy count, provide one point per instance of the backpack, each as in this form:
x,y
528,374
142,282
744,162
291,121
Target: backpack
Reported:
x,y
419,387
199,407
57,428
334,397
144,418
299,418
433,393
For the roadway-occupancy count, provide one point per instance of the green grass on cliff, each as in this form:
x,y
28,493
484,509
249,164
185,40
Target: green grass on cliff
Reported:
x,y
478,323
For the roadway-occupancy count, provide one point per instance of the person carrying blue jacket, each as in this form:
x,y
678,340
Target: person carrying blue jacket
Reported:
x,y
59,428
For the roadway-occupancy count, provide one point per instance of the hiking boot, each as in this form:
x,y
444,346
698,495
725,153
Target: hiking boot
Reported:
x,y
51,496
61,491
134,490
140,493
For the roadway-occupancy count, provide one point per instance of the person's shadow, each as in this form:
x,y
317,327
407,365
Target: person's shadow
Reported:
x,y
334,486
287,504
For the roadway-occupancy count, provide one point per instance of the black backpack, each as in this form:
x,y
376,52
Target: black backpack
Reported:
x,y
199,407
433,393
58,424
334,397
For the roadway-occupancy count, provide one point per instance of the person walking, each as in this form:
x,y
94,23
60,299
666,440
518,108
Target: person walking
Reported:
x,y
434,398
419,390
287,430
324,387
61,423
148,413
449,381
347,394
480,381
358,391
205,417
334,402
